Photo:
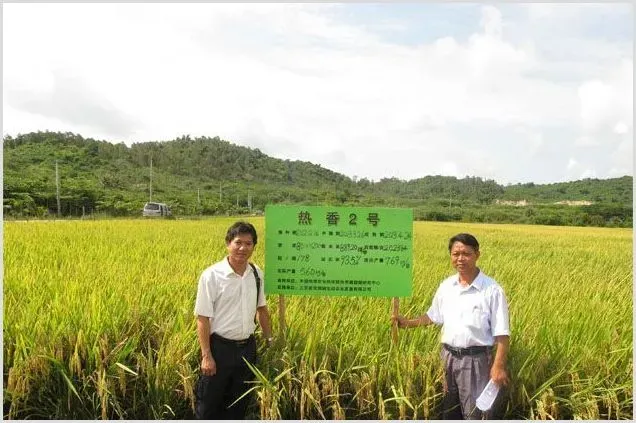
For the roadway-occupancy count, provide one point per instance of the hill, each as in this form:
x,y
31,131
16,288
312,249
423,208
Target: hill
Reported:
x,y
205,176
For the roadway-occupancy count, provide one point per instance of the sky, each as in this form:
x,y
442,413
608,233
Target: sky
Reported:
x,y
536,92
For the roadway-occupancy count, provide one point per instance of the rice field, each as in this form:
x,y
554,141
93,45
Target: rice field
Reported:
x,y
98,324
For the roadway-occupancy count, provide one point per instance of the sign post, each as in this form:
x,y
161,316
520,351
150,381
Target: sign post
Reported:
x,y
282,326
396,311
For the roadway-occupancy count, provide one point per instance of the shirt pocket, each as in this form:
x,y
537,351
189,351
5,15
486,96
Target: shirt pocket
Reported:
x,y
229,289
476,317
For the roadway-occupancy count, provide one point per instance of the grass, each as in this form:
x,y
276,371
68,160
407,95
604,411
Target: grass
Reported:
x,y
98,323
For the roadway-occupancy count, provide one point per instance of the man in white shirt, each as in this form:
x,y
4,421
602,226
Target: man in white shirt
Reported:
x,y
229,295
473,312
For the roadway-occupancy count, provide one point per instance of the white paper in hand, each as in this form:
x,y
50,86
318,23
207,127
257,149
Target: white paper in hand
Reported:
x,y
487,396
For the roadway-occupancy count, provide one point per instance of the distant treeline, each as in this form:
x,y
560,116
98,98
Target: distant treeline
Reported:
x,y
210,176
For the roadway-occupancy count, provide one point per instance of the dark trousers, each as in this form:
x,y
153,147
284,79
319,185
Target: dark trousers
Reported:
x,y
216,395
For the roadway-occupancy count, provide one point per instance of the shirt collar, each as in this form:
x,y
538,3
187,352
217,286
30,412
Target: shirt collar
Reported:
x,y
478,282
227,269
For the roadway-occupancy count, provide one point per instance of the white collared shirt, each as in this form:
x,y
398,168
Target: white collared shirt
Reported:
x,y
471,315
229,300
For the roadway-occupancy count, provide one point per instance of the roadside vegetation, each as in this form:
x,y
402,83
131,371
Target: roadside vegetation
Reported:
x,y
212,177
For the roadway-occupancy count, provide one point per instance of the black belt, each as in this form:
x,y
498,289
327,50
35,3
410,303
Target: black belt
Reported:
x,y
239,343
474,350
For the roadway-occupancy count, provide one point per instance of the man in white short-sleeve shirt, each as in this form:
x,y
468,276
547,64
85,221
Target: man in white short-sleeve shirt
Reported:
x,y
473,312
229,295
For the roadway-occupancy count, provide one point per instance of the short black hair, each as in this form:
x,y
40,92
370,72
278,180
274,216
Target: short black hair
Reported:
x,y
464,238
241,228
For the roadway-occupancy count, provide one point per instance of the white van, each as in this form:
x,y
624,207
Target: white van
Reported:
x,y
156,209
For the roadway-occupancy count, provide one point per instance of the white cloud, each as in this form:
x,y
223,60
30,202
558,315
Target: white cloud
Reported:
x,y
450,169
577,170
572,163
491,21
299,81
622,157
445,46
586,140
608,102
595,99
540,11
588,173
621,128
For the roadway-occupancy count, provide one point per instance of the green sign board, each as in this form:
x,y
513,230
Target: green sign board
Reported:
x,y
344,251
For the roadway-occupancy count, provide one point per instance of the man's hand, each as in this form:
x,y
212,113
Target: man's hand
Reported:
x,y
499,376
208,365
498,370
401,321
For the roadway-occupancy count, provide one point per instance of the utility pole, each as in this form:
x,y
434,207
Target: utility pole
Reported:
x,y
57,189
249,201
220,192
199,195
150,179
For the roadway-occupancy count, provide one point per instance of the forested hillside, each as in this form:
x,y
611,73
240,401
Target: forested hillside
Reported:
x,y
206,176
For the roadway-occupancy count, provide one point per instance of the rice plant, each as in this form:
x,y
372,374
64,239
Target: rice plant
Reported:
x,y
98,324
